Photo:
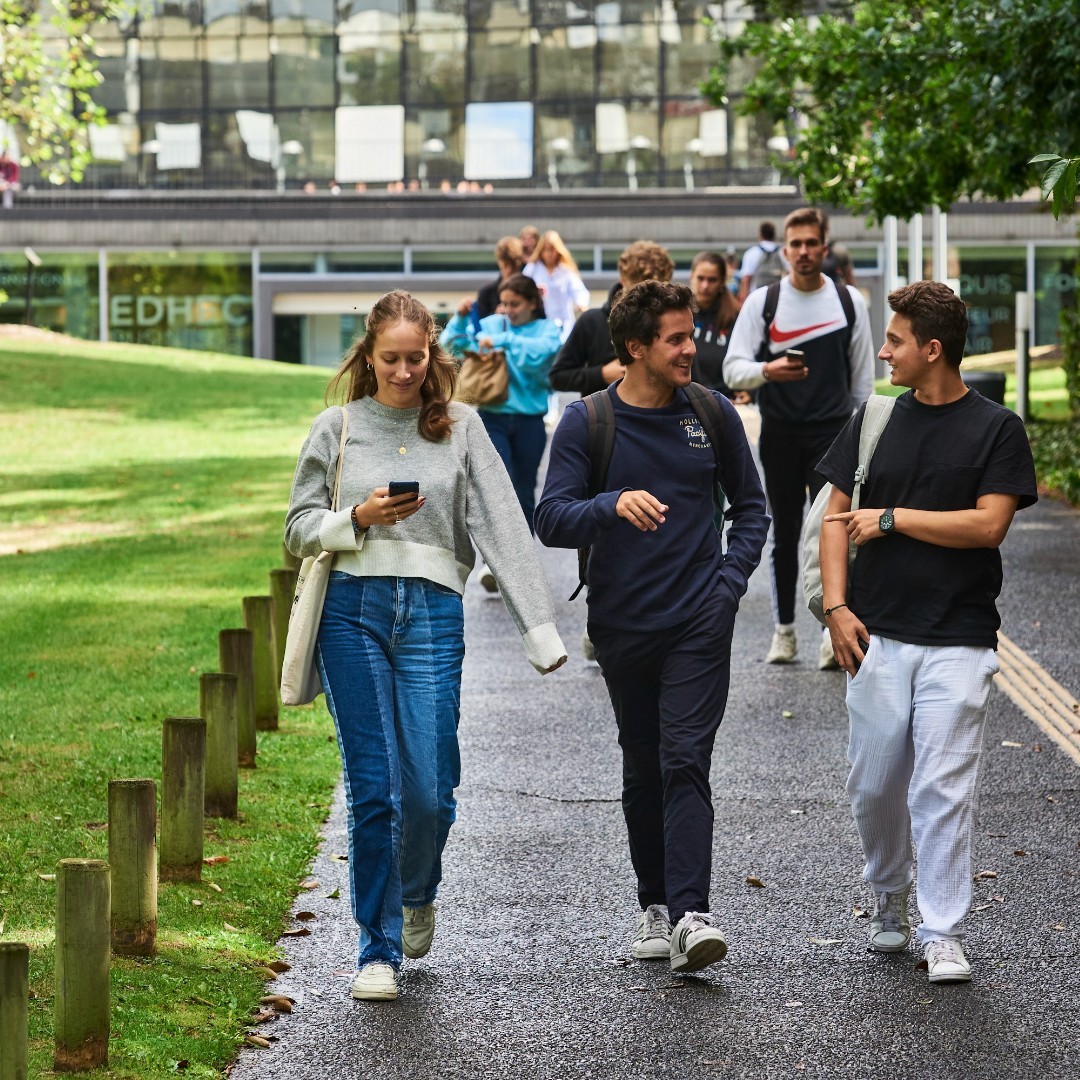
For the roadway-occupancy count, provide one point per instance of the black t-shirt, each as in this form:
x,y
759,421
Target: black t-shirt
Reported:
x,y
933,457
711,338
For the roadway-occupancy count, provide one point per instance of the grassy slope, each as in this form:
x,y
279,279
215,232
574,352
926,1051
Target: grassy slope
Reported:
x,y
156,482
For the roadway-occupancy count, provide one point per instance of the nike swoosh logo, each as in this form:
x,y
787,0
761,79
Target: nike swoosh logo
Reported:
x,y
780,336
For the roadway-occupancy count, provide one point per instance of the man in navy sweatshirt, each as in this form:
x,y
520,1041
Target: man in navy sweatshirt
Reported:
x,y
662,600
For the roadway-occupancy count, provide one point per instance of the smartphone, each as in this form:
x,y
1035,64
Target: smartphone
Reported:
x,y
404,487
796,357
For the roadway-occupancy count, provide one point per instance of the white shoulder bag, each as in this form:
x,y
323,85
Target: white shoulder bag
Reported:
x,y
300,682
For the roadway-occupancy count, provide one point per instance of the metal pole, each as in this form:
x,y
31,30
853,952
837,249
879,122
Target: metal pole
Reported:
x,y
1023,359
940,265
915,249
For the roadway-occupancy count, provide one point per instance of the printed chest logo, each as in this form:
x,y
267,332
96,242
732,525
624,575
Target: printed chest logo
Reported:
x,y
696,436
779,337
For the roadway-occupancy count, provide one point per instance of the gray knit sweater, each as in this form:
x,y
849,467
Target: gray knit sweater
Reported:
x,y
469,499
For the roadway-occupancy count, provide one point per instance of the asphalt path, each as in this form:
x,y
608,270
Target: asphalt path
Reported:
x,y
530,974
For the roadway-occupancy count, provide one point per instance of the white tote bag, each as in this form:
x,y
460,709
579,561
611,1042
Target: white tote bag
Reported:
x,y
300,682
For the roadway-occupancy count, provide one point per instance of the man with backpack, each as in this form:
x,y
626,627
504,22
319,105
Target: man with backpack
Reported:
x,y
639,489
804,343
763,263
916,625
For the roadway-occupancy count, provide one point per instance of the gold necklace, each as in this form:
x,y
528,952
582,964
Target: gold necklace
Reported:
x,y
402,449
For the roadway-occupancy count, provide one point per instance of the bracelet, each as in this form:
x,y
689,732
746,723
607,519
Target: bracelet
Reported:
x,y
357,528
829,610
765,371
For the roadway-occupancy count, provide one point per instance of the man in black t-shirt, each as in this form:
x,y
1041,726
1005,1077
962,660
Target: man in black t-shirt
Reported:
x,y
916,626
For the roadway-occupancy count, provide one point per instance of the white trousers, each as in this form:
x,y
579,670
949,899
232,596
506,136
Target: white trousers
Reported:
x,y
916,715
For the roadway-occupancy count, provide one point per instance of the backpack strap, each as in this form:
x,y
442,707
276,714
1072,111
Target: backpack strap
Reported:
x,y
600,414
876,415
708,411
768,313
849,313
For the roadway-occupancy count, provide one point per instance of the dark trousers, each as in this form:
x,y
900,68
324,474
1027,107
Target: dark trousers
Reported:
x,y
788,458
668,689
519,439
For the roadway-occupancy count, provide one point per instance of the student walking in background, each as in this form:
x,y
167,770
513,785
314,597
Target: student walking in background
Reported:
x,y
714,320
390,644
804,344
516,427
916,625
662,599
553,269
587,360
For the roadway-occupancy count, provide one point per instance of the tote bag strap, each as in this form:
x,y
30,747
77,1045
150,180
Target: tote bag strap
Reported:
x,y
340,455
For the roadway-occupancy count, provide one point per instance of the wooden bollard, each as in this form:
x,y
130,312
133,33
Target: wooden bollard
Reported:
x,y
282,590
236,657
81,1009
133,863
290,560
183,788
217,706
259,619
14,1010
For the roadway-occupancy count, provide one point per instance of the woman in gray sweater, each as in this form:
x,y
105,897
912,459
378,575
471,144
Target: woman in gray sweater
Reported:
x,y
391,643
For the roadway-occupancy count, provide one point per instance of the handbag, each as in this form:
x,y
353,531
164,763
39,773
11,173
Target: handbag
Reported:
x,y
300,683
876,415
483,379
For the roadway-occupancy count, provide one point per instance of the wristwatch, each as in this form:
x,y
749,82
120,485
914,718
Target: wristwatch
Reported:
x,y
887,523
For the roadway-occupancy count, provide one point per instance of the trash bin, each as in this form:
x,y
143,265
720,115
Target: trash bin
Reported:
x,y
991,384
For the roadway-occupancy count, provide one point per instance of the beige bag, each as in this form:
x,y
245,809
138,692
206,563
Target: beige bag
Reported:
x,y
300,682
483,379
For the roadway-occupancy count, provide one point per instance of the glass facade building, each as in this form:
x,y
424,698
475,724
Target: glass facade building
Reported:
x,y
424,93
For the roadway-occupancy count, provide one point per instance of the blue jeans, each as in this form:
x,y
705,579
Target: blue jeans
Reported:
x,y
389,654
520,440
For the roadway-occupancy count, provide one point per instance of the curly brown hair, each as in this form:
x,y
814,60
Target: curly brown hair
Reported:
x,y
644,261
437,389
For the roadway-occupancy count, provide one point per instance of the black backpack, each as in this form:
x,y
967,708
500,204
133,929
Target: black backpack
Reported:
x,y
601,418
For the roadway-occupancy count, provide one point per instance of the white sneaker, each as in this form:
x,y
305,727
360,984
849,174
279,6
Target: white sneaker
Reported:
x,y
375,982
946,962
826,657
588,650
652,941
890,927
487,579
417,931
696,942
784,647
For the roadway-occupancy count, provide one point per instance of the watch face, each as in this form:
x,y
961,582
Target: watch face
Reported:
x,y
885,522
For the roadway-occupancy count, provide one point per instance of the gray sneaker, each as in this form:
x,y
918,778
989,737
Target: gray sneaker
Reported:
x,y
890,928
375,982
826,656
696,942
784,648
417,931
652,941
946,962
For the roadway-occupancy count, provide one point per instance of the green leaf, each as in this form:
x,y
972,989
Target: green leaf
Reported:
x,y
1043,157
1052,176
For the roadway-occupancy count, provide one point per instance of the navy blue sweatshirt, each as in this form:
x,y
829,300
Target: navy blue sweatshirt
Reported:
x,y
653,580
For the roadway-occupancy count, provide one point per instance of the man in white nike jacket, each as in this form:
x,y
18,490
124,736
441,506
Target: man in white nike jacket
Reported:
x,y
804,343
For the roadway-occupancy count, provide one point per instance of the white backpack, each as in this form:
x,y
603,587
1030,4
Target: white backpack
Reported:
x,y
876,415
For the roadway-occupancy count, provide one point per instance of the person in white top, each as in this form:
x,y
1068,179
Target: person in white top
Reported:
x,y
553,269
755,255
804,344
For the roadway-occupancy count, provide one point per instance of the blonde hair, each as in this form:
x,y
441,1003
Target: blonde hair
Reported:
x,y
437,388
553,240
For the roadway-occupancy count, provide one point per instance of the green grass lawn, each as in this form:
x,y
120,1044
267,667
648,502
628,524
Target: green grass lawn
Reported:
x,y
142,494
